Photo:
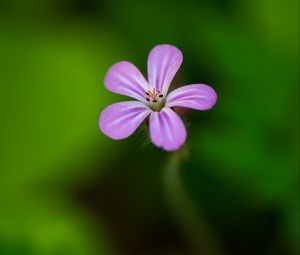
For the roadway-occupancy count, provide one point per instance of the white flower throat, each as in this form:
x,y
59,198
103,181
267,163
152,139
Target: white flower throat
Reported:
x,y
155,99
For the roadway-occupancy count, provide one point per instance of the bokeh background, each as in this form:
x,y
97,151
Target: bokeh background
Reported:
x,y
66,189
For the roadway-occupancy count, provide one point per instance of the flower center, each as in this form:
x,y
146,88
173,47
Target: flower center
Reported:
x,y
155,99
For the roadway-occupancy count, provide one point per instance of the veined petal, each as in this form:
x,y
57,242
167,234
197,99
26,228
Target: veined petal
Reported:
x,y
167,129
163,63
125,79
120,120
195,96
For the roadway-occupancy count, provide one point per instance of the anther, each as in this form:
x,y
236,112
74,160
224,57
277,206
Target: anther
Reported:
x,y
147,99
154,101
161,95
147,93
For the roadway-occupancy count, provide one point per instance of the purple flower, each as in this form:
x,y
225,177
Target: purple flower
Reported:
x,y
120,120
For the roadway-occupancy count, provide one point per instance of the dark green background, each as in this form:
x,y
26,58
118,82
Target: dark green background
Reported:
x,y
66,189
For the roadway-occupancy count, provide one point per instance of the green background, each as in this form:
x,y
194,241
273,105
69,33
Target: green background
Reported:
x,y
66,189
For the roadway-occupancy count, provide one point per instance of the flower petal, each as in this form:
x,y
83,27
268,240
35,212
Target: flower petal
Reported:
x,y
120,120
163,63
167,129
195,96
125,79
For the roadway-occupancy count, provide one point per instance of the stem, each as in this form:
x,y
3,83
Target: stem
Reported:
x,y
192,222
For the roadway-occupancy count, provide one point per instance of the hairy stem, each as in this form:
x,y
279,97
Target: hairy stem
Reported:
x,y
191,221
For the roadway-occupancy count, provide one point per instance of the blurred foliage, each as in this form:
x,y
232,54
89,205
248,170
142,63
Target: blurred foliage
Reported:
x,y
64,187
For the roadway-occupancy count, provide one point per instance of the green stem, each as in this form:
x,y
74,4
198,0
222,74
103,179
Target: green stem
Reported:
x,y
192,222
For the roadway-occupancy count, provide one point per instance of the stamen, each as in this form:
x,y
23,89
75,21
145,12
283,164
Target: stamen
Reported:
x,y
153,95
